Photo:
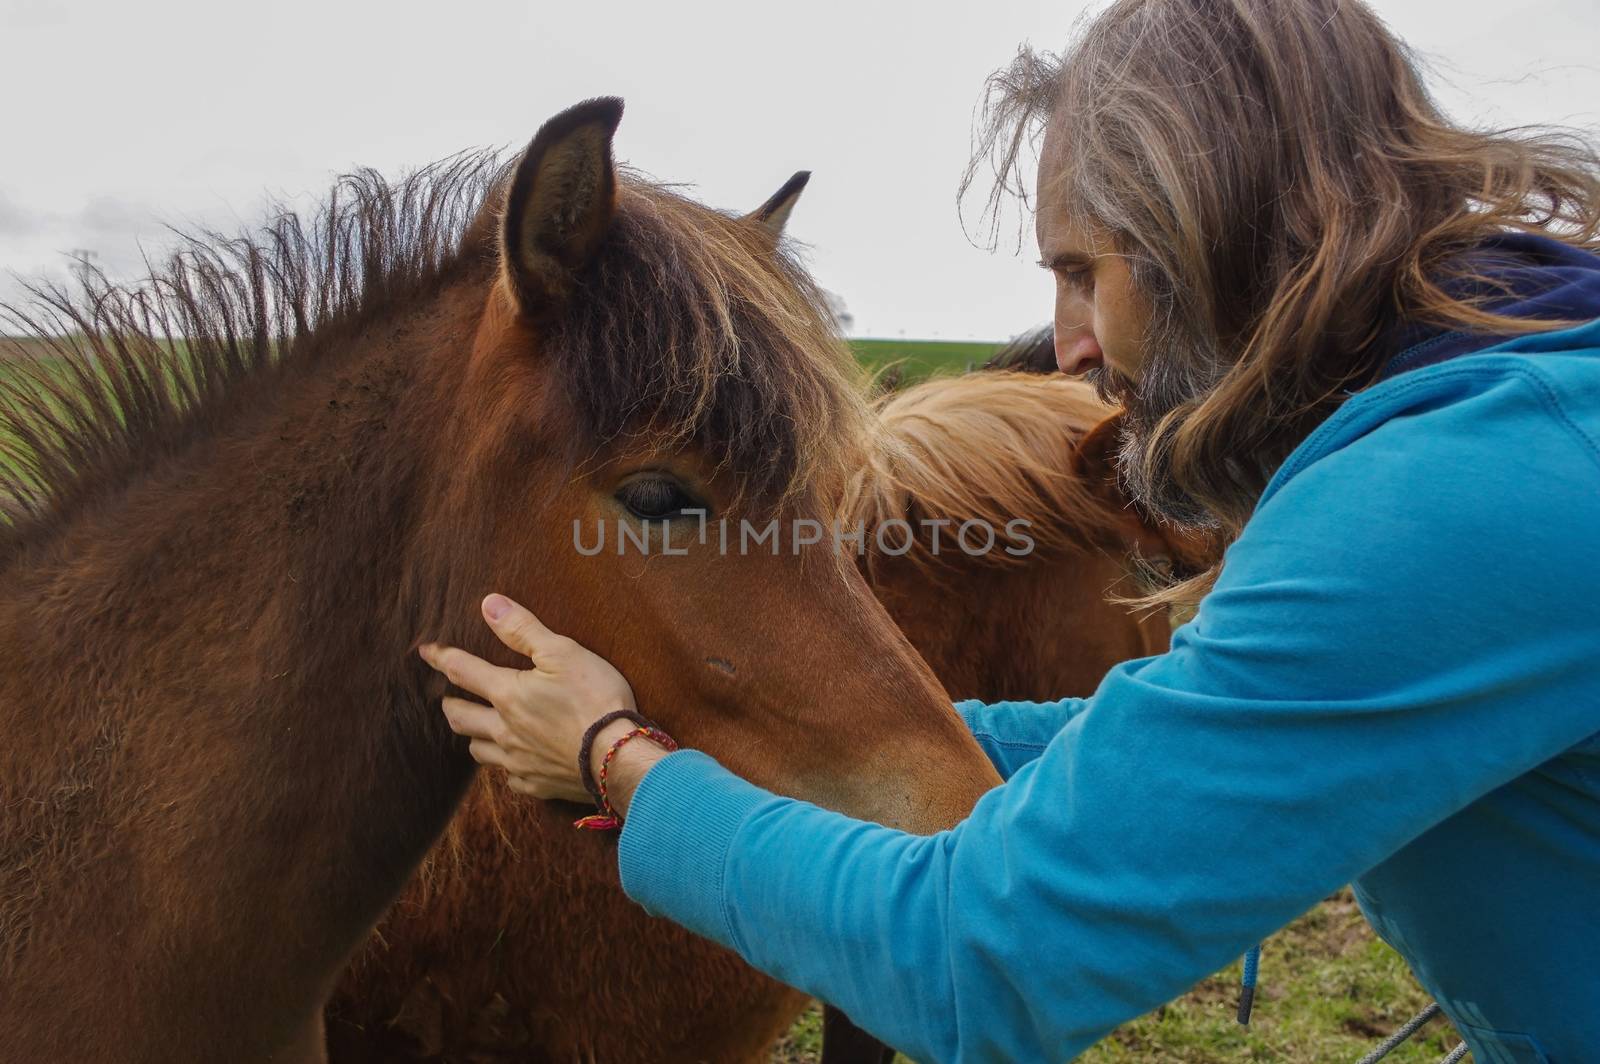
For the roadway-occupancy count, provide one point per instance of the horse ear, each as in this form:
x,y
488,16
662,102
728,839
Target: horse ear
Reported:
x,y
1096,463
773,215
560,204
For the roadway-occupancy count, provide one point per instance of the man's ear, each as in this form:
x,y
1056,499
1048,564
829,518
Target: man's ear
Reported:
x,y
560,205
773,215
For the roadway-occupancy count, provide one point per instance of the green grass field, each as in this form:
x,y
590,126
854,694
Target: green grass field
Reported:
x,y
1329,990
919,358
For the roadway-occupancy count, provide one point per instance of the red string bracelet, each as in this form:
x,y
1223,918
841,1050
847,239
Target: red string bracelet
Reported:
x,y
586,746
608,818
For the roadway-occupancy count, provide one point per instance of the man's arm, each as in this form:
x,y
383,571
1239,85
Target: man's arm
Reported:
x,y
1014,733
1408,594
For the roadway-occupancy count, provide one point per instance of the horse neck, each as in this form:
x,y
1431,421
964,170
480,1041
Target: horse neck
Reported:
x,y
1062,628
1039,630
247,612
358,460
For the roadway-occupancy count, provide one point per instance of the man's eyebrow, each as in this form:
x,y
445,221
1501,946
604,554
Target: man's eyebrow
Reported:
x,y
1066,260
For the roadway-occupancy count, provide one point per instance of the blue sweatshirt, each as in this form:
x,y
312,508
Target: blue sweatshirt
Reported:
x,y
1396,682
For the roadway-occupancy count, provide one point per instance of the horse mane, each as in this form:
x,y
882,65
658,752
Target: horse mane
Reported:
x,y
689,322
1030,352
989,446
116,378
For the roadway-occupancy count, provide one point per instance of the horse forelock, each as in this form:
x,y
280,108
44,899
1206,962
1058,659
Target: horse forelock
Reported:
x,y
691,327
986,446
1030,352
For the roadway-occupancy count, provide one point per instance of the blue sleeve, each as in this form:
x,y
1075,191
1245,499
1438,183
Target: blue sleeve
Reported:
x,y
1406,624
1014,733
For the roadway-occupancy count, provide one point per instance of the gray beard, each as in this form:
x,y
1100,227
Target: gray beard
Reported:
x,y
1179,370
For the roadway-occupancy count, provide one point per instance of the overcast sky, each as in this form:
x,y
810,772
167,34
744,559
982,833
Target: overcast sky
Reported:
x,y
120,118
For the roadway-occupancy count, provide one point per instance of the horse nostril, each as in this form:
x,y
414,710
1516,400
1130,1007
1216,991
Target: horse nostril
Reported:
x,y
722,665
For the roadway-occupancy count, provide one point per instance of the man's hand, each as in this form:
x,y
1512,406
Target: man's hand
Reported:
x,y
535,719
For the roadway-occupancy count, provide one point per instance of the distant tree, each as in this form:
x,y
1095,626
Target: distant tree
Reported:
x,y
842,318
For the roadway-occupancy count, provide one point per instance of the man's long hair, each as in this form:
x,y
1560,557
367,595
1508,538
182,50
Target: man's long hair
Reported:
x,y
1286,191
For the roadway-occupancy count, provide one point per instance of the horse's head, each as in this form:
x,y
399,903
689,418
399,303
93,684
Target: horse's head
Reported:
x,y
1095,451
1162,548
653,388
1018,606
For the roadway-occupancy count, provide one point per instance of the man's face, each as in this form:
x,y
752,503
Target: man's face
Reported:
x,y
1106,332
1100,317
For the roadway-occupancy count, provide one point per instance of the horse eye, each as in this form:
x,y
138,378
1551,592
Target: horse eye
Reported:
x,y
656,498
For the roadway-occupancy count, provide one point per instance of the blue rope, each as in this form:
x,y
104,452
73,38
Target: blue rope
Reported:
x,y
1247,984
1247,1000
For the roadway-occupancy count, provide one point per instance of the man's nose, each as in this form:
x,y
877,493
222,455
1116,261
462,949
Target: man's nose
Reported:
x,y
1077,352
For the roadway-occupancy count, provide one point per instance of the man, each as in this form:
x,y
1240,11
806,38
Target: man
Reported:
x,y
1358,343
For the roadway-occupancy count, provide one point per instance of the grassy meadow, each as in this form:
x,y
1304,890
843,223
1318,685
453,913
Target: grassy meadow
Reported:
x,y
1329,990
919,358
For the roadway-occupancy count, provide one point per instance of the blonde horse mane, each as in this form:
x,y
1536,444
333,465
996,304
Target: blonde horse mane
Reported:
x,y
988,446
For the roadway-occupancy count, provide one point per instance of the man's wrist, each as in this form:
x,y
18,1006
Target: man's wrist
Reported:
x,y
628,768
629,765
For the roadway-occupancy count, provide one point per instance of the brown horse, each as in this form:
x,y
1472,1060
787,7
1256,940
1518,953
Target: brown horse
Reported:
x,y
243,493
514,945
997,446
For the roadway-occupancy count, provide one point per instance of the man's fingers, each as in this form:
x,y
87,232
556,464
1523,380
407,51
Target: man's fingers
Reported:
x,y
485,752
547,789
518,628
469,671
471,719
